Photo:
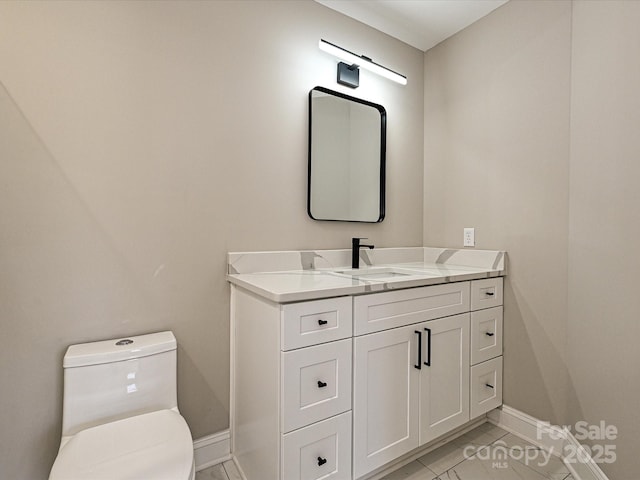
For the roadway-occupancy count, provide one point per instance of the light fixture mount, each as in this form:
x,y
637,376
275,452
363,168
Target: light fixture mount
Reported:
x,y
348,75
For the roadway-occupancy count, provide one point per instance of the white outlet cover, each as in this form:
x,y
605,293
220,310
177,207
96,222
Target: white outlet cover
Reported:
x,y
469,237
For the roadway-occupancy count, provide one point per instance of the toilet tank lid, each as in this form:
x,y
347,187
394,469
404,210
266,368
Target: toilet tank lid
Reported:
x,y
119,349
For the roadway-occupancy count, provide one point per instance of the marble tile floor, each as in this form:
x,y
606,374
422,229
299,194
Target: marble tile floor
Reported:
x,y
222,471
485,453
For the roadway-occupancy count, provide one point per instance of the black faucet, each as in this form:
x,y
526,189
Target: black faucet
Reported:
x,y
355,251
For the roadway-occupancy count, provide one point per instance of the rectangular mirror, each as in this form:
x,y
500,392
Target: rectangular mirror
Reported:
x,y
347,143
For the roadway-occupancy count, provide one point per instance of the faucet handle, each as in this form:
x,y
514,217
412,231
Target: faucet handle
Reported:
x,y
355,243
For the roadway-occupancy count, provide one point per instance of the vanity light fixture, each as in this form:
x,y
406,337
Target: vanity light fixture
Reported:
x,y
348,73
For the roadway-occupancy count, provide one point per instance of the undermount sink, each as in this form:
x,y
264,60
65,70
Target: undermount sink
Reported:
x,y
377,273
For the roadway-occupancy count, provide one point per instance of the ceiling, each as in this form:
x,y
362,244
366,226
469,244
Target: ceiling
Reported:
x,y
420,23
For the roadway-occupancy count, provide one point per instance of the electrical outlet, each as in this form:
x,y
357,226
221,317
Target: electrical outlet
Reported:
x,y
469,237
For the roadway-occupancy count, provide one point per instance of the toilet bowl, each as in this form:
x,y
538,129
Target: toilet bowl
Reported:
x,y
120,415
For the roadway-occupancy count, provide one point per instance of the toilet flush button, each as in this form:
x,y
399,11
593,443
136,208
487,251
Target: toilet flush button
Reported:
x,y
126,341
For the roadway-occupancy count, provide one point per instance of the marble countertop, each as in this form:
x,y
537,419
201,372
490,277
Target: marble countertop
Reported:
x,y
295,276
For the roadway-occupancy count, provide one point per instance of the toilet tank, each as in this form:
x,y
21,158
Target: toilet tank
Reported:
x,y
114,379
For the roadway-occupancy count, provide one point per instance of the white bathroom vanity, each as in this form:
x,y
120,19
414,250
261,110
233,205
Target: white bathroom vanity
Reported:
x,y
339,373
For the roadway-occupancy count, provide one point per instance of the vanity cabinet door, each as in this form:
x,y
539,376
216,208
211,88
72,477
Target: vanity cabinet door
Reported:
x,y
315,322
385,400
486,293
316,383
486,386
397,308
444,383
321,451
486,334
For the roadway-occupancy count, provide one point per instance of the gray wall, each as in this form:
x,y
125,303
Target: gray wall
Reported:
x,y
531,119
139,143
604,225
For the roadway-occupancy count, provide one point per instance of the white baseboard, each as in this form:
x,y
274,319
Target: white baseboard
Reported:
x,y
548,437
212,449
582,465
551,438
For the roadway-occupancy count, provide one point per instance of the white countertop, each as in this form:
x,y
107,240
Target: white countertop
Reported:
x,y
314,282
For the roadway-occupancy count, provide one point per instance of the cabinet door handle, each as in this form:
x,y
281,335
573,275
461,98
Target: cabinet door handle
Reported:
x,y
490,294
428,362
488,385
419,365
321,384
322,322
489,334
321,461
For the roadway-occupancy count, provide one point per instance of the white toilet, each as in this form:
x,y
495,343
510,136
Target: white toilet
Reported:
x,y
120,418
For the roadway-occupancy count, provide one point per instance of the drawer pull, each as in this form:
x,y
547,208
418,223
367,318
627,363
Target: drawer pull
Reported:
x,y
322,322
321,384
488,385
490,294
419,365
489,334
321,461
428,362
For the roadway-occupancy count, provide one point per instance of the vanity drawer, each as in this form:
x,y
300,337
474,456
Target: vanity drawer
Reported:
x,y
320,451
319,321
486,334
381,311
316,383
486,293
486,386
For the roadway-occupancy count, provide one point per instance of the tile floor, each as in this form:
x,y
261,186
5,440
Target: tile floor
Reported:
x,y
485,453
222,471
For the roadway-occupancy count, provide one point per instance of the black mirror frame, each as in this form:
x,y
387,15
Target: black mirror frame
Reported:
x,y
383,152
